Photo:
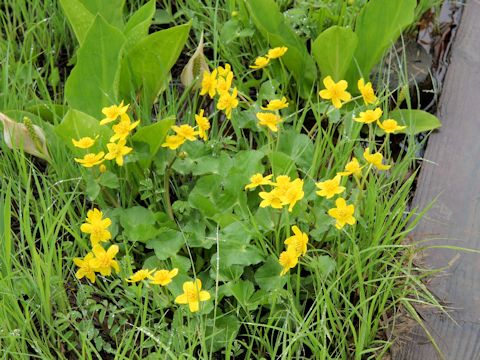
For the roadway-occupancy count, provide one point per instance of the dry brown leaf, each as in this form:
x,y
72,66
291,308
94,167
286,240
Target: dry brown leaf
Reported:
x,y
27,137
195,66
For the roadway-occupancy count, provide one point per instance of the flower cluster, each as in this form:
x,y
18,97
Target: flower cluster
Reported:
x,y
263,61
337,93
272,118
283,192
157,277
117,148
186,132
219,81
296,247
103,261
343,213
388,125
98,260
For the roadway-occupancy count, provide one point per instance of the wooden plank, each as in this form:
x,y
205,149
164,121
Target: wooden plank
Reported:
x,y
454,176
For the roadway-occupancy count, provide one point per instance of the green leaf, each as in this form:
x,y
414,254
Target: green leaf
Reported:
x,y
47,111
138,223
210,164
417,121
224,332
154,135
282,164
137,26
181,262
232,273
208,198
92,190
238,233
378,26
77,124
149,62
242,291
247,163
333,51
246,119
264,218
268,275
111,10
93,82
235,248
269,20
167,243
239,255
109,179
163,17
79,17
233,29
322,265
298,147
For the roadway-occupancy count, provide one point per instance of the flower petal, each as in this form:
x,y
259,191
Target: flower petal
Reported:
x,y
194,306
181,299
204,295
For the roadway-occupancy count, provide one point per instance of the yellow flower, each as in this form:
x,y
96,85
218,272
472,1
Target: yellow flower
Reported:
x,y
288,259
271,198
192,295
390,126
277,52
164,277
353,167
369,116
292,194
91,159
123,128
96,226
141,275
343,213
258,180
86,268
298,241
376,160
224,83
113,112
227,102
209,83
224,71
269,120
203,125
336,92
117,151
276,104
282,182
185,131
330,188
84,142
104,261
260,62
367,92
173,141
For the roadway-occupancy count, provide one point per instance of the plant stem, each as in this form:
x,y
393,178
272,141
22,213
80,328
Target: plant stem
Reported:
x,y
166,188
